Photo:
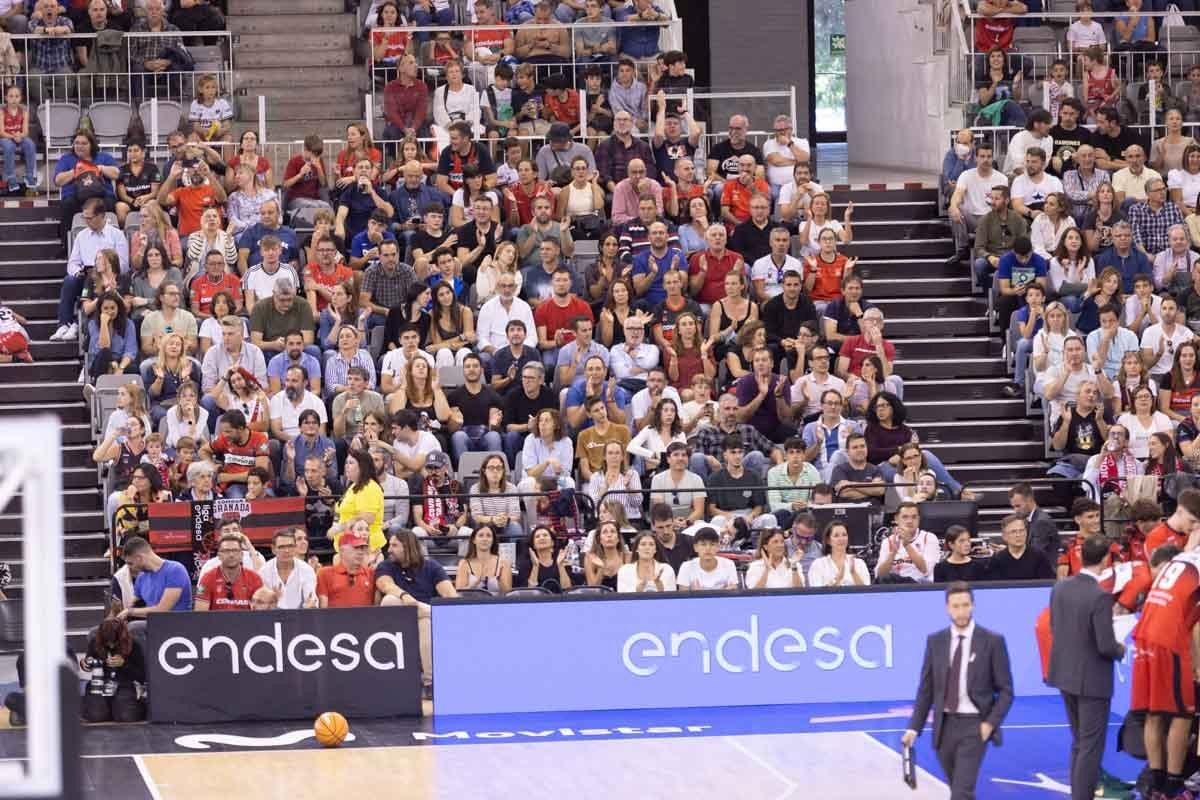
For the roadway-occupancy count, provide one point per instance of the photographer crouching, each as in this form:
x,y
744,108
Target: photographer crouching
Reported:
x,y
117,665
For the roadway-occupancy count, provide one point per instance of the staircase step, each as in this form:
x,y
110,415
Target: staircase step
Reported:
x,y
345,106
269,24
293,7
352,78
916,287
967,346
50,392
54,351
901,248
32,211
32,268
317,96
956,452
73,522
70,414
248,43
901,268
924,307
20,230
41,288
92,568
75,545
84,499
31,248
36,309
937,410
1017,430
953,367
57,370
903,209
840,196
79,592
883,230
294,130
965,388
1001,472
249,59
900,328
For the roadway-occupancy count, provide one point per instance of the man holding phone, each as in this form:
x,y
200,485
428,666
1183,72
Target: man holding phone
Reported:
x,y
1017,269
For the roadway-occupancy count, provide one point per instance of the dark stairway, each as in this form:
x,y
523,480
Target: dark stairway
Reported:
x,y
30,277
952,364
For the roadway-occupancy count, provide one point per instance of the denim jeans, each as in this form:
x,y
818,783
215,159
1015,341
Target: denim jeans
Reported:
x,y
754,461
28,155
72,288
461,443
1024,347
513,443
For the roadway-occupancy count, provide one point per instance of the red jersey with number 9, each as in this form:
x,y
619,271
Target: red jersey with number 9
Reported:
x,y
1172,608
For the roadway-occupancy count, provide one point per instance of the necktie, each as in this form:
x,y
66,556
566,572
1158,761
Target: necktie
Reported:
x,y
951,704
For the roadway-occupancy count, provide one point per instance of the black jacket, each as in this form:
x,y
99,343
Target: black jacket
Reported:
x,y
989,681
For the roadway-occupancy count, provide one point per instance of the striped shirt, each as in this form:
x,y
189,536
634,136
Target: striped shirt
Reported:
x,y
337,368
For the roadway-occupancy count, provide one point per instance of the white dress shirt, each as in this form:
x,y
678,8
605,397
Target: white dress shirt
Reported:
x,y
622,362
965,706
301,585
494,319
88,243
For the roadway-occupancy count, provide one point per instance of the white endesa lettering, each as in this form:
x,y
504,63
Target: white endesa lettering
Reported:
x,y
780,649
269,652
620,730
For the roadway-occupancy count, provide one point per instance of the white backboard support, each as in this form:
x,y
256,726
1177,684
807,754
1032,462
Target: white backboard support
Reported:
x,y
31,464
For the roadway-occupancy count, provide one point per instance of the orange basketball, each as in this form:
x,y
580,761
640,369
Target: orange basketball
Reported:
x,y
331,729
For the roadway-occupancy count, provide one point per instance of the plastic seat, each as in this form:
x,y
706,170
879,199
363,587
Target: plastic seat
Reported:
x,y
529,591
110,121
1183,49
169,114
471,464
588,590
59,121
450,377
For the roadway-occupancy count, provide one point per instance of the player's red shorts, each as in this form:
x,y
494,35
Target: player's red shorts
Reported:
x,y
1162,681
13,342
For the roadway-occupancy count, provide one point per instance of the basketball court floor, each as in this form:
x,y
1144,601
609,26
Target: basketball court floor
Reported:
x,y
761,753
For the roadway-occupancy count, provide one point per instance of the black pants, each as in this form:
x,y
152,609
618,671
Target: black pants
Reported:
x,y
101,363
960,752
71,206
1006,306
124,706
1088,717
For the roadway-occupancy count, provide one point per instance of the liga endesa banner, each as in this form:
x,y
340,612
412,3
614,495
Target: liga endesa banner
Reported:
x,y
181,526
684,651
267,665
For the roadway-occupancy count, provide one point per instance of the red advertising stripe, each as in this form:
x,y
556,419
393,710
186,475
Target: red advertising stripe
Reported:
x,y
268,516
171,526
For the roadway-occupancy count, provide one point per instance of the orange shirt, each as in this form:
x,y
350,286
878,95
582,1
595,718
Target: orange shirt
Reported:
x,y
1171,609
192,202
341,274
344,590
828,284
737,196
1072,555
1163,534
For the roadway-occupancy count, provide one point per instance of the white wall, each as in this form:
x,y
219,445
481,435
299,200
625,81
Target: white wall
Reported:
x,y
896,114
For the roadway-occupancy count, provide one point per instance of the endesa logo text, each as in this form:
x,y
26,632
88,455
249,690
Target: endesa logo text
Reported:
x,y
270,653
737,650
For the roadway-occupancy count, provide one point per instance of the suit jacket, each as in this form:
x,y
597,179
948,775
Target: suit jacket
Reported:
x,y
1043,535
1084,647
989,681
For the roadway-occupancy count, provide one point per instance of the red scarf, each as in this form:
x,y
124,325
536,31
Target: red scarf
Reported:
x,y
1112,476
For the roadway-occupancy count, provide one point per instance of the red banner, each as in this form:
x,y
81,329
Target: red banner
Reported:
x,y
180,526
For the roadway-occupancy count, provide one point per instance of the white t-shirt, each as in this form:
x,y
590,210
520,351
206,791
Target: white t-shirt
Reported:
x,y
781,176
301,584
815,390
1188,183
1032,192
764,269
778,577
823,572
639,406
395,362
787,195
723,577
460,198
1022,142
1152,337
262,283
283,410
1133,307
812,246
627,579
426,444
219,111
1081,36
211,329
978,190
1139,437
214,562
926,544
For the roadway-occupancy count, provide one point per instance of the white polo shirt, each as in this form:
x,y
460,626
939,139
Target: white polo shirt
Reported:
x,y
301,586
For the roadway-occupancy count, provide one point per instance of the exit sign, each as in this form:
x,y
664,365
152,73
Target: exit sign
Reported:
x,y
837,44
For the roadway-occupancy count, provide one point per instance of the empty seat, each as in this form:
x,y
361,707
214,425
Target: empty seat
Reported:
x,y
1183,49
471,464
110,121
169,114
450,377
59,121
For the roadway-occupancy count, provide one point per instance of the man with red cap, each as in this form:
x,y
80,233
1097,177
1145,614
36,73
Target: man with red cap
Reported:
x,y
351,581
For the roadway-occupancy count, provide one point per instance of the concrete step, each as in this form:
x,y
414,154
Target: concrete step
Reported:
x,y
940,410
78,592
351,77
968,346
71,414
37,246
917,287
969,431
293,42
885,210
73,522
75,545
30,288
296,109
956,452
951,367
16,230
294,130
92,568
58,370
869,231
965,388
46,391
883,267
881,195
926,307
1002,472
901,248
278,8
32,268
899,328
270,24
247,60
85,499
316,97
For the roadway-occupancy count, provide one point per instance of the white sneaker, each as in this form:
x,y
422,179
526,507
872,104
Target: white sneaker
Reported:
x,y
60,333
83,375
72,332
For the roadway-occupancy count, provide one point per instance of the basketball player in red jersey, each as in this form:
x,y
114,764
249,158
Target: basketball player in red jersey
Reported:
x,y
1179,525
1163,671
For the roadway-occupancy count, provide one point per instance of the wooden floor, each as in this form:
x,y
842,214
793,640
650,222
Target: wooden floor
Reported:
x,y
758,767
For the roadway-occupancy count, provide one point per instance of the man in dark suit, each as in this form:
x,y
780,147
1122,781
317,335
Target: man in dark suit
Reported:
x,y
1043,534
1081,662
967,681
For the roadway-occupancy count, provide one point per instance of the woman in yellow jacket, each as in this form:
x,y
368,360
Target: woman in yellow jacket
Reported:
x,y
362,500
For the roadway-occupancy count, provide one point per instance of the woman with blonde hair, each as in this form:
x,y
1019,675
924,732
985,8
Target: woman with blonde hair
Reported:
x,y
211,236
244,206
166,373
504,260
155,228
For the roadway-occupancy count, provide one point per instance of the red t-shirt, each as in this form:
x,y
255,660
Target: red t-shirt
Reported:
x,y
1129,581
1163,534
216,589
857,348
395,43
556,317
1072,555
714,282
261,167
563,110
309,187
341,274
1171,609
828,283
992,32
493,40
13,123
239,458
525,201
346,160
345,590
192,202
203,290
